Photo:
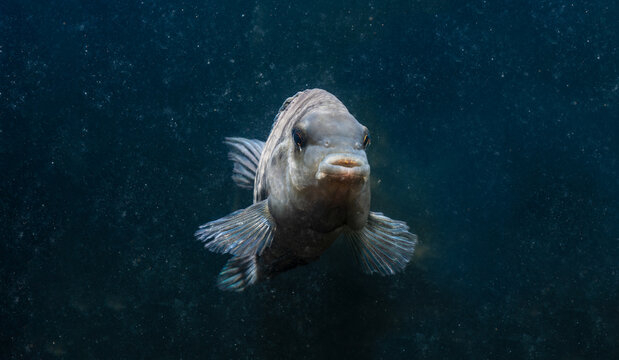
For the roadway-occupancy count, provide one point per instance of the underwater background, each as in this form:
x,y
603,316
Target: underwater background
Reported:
x,y
495,130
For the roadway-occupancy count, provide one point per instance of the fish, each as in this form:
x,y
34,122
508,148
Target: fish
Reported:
x,y
311,186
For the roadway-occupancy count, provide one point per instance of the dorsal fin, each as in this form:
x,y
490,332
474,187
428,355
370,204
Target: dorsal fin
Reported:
x,y
245,153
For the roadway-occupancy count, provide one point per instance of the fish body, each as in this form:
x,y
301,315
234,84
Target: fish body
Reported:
x,y
311,186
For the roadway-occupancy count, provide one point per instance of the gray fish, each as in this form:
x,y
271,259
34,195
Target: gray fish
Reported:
x,y
311,185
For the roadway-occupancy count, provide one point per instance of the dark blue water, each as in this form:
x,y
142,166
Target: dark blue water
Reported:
x,y
495,136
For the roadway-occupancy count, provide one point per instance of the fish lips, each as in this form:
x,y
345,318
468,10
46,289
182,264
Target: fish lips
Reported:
x,y
344,167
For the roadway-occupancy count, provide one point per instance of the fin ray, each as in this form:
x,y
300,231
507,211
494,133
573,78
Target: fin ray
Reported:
x,y
245,154
383,246
238,273
245,232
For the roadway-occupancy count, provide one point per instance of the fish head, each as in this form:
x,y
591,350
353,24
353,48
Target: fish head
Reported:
x,y
329,149
328,166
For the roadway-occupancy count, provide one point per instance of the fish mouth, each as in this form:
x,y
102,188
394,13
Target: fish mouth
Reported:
x,y
344,167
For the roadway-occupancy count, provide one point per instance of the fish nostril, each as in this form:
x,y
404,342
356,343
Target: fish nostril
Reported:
x,y
349,163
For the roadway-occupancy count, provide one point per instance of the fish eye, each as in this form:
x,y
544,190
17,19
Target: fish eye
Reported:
x,y
299,138
366,140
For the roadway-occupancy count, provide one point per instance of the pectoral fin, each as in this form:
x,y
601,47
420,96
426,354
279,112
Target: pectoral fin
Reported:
x,y
245,232
245,154
383,245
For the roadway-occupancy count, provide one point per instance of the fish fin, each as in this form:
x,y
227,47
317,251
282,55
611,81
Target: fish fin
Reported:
x,y
238,273
383,245
245,154
245,232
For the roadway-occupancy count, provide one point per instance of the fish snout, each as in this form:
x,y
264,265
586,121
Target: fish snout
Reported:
x,y
344,166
